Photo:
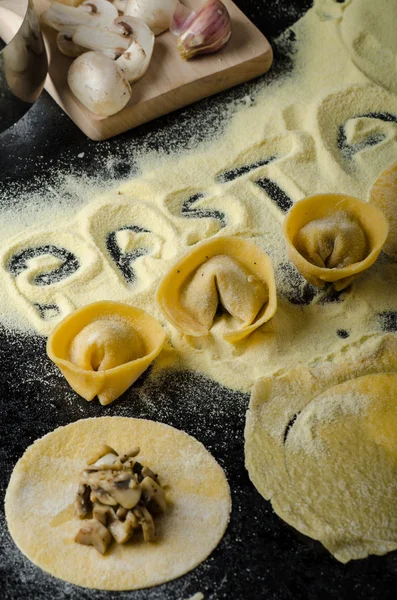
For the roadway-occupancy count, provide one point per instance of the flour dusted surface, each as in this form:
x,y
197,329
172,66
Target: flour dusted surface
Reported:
x,y
329,126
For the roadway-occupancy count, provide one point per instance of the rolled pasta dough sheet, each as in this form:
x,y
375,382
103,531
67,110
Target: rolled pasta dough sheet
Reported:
x,y
43,486
321,445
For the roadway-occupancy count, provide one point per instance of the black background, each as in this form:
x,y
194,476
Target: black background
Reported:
x,y
260,556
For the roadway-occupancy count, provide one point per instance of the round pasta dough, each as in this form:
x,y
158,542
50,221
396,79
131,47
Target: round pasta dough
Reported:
x,y
43,485
383,194
320,443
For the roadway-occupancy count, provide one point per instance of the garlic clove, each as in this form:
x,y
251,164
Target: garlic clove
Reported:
x,y
99,83
207,31
67,46
157,14
110,43
182,18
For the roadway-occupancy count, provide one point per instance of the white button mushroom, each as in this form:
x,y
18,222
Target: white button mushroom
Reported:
x,y
135,60
157,14
101,40
99,83
92,13
67,46
121,5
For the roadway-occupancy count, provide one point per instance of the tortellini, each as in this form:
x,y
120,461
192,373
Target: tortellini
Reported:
x,y
104,347
384,196
228,271
333,237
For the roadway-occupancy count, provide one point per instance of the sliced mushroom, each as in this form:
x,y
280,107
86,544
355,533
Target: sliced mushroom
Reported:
x,y
127,493
94,534
102,513
116,466
146,472
99,83
92,13
67,46
146,522
137,469
121,513
135,60
107,42
131,454
99,495
153,495
82,503
121,5
121,530
103,479
103,451
131,518
121,494
71,2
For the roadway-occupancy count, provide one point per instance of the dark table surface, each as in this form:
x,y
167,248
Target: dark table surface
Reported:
x,y
260,556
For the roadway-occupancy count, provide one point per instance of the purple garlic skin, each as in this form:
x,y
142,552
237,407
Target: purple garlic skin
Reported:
x,y
203,32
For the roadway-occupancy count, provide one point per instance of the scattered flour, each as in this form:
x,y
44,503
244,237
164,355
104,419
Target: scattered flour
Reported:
x,y
329,126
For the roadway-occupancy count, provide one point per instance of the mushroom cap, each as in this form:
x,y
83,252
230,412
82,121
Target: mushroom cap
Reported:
x,y
157,14
99,84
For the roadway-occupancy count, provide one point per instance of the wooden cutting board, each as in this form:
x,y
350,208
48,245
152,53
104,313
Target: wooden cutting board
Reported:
x,y
170,82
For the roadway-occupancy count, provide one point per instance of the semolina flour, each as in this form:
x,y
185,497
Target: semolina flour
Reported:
x,y
330,125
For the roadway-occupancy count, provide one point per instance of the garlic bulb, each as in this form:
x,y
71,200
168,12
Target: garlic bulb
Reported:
x,y
203,32
157,14
99,83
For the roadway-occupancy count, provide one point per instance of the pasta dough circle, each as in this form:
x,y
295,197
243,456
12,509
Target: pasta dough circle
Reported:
x,y
384,196
320,443
324,208
341,458
76,345
44,482
230,270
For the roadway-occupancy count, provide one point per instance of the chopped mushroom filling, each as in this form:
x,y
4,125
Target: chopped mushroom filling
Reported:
x,y
119,496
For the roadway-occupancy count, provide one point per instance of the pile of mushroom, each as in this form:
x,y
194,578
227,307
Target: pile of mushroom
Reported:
x,y
119,496
112,42
111,52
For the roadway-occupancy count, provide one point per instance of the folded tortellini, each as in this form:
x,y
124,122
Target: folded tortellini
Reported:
x,y
104,347
333,237
384,195
229,271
